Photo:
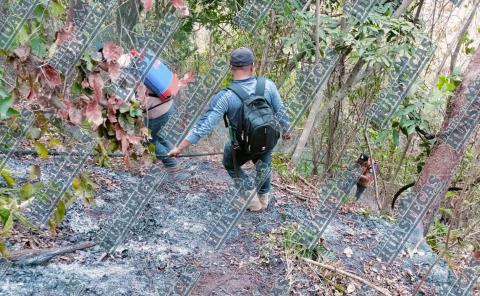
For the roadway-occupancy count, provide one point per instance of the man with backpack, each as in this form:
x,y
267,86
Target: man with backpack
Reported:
x,y
254,112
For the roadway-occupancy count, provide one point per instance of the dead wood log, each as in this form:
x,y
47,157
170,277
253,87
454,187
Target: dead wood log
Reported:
x,y
42,256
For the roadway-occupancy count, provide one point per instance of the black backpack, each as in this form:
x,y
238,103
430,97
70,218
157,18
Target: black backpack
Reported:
x,y
256,130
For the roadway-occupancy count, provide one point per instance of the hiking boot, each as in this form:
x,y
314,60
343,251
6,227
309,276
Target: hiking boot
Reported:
x,y
254,204
264,199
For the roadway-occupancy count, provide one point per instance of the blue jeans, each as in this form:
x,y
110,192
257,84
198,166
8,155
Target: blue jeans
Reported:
x,y
266,160
162,146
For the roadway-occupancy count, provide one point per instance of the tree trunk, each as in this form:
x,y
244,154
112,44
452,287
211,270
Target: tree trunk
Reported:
x,y
302,141
444,160
453,60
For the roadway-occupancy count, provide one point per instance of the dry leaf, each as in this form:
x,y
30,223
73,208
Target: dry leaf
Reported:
x,y
112,52
52,77
348,252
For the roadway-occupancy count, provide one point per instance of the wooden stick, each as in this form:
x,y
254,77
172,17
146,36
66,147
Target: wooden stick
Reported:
x,y
42,256
308,183
296,194
348,274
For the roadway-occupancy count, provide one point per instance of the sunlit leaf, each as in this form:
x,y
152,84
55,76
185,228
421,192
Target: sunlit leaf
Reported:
x,y
60,212
5,105
3,250
8,179
41,150
26,191
7,226
76,183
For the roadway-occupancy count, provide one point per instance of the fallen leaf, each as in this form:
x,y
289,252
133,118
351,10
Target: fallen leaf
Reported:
x,y
112,52
114,70
350,288
75,116
348,252
65,33
52,76
96,83
476,255
22,52
124,60
94,114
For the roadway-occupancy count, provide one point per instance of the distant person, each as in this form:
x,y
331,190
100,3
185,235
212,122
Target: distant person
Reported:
x,y
367,177
249,107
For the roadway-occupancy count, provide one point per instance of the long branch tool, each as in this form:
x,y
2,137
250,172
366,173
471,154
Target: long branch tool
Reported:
x,y
65,153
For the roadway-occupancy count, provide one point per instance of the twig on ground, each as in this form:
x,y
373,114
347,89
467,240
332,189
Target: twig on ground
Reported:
x,y
307,183
296,194
348,274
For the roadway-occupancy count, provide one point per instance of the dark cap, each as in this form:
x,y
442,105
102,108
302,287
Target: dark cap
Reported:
x,y
242,57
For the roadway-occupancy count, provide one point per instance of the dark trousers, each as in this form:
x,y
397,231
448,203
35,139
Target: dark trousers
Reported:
x,y
162,146
266,160
360,190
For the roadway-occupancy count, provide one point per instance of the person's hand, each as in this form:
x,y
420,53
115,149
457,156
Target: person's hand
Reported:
x,y
174,152
286,136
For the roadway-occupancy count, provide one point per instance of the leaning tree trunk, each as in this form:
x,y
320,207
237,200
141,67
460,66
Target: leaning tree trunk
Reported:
x,y
444,160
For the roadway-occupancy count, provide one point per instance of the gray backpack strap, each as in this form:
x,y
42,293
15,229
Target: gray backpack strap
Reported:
x,y
260,88
238,90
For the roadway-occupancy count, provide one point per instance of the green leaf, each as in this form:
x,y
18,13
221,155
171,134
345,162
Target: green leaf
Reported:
x,y
24,221
26,191
5,105
411,129
56,8
396,138
41,150
3,93
76,183
3,250
7,226
124,108
4,213
38,46
8,179
34,172
60,212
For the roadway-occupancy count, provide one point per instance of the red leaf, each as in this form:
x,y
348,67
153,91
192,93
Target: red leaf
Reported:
x,y
142,93
64,33
75,116
122,137
187,78
147,4
178,3
476,255
96,83
112,52
22,52
94,114
114,70
111,115
181,7
134,139
52,76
